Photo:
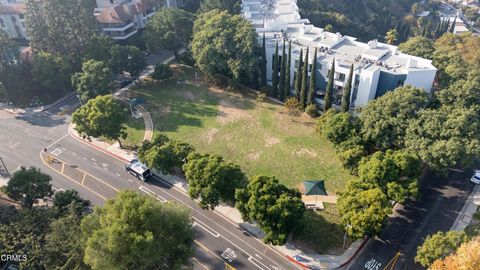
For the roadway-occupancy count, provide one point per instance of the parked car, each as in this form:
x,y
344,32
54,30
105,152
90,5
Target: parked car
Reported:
x,y
138,169
476,177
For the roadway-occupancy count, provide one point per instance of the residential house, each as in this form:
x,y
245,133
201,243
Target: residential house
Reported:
x,y
378,67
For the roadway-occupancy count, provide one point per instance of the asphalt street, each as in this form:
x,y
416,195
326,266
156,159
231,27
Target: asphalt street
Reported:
x,y
436,210
220,244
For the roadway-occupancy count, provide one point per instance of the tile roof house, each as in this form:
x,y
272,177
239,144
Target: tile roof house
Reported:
x,y
122,19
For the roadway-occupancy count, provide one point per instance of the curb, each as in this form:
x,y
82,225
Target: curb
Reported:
x,y
360,248
70,131
298,263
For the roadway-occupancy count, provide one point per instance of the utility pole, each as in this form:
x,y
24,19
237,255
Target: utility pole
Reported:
x,y
6,95
3,164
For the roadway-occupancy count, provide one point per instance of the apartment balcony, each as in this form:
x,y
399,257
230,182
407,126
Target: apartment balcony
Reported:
x,y
117,27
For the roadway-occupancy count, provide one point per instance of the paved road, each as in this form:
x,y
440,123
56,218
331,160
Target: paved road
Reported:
x,y
440,202
106,176
23,137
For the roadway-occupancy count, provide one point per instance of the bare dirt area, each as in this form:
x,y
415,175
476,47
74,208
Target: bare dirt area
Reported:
x,y
228,112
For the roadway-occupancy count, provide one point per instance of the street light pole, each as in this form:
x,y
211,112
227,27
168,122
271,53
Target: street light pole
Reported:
x,y
6,94
5,167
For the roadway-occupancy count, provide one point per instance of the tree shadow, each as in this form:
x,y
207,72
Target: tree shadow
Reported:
x,y
42,119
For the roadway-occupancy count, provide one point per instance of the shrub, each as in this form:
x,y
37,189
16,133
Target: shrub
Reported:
x,y
312,110
266,89
162,72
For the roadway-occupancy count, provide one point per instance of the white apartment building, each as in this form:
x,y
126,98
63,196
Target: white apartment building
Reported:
x,y
12,18
122,19
378,67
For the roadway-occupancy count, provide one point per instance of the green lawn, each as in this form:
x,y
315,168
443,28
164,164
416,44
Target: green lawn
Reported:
x,y
261,138
321,232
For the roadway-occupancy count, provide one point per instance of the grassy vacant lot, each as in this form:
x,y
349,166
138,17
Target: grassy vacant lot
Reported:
x,y
261,138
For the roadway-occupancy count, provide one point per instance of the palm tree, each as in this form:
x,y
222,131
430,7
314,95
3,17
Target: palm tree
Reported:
x,y
392,36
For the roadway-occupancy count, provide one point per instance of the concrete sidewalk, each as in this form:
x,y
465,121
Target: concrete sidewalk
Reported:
x,y
308,261
469,208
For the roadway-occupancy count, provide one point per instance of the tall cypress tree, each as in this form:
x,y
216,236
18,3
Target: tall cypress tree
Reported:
x,y
313,80
303,89
263,81
329,91
286,90
281,84
298,76
347,92
275,73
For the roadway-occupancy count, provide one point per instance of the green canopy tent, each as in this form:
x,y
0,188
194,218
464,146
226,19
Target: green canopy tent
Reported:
x,y
314,187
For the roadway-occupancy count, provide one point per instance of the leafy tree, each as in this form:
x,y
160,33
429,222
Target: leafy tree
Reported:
x,y
134,231
456,55
162,71
212,179
165,156
394,172
363,208
93,80
351,157
463,93
303,88
275,72
313,81
169,29
418,46
28,185
99,47
339,127
225,44
263,81
61,27
386,118
101,116
392,36
298,76
328,101
127,58
62,200
347,92
52,72
25,235
232,6
445,138
64,246
8,50
438,246
465,258
293,107
286,91
276,208
283,66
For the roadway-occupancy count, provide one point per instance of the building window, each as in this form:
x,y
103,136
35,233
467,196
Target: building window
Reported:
x,y
341,77
400,83
2,23
21,16
13,18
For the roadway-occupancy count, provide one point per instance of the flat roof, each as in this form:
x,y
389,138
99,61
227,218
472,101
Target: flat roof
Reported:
x,y
279,20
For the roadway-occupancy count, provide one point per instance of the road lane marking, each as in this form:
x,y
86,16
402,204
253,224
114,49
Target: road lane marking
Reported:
x,y
63,137
63,167
130,180
56,152
250,259
84,176
201,264
220,226
211,252
84,158
147,191
71,179
117,174
204,227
